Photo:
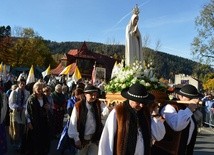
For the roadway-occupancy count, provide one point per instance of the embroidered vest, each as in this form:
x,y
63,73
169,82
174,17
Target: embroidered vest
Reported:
x,y
81,119
128,122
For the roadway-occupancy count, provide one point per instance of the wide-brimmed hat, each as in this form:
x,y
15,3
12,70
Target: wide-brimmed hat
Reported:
x,y
189,91
90,89
137,92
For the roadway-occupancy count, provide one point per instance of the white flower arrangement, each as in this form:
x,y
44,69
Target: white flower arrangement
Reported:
x,y
129,75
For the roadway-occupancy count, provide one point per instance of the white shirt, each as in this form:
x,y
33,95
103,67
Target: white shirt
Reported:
x,y
41,102
105,112
14,103
106,144
178,120
90,125
14,97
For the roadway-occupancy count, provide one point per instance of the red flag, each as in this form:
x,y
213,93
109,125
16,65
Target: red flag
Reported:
x,y
93,76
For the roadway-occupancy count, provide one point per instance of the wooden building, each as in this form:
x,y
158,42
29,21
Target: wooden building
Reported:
x,y
85,59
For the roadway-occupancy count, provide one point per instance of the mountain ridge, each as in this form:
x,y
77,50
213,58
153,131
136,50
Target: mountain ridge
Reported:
x,y
166,65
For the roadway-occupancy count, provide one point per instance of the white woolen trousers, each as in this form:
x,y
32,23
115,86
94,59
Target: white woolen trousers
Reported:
x,y
89,149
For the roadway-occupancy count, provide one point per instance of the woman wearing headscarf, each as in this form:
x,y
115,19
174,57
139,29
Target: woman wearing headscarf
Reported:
x,y
38,130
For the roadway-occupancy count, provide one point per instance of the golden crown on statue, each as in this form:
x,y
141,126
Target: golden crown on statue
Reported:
x,y
136,10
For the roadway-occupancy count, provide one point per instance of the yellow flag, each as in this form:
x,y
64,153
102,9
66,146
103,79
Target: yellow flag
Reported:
x,y
76,75
1,67
46,72
4,70
66,70
31,77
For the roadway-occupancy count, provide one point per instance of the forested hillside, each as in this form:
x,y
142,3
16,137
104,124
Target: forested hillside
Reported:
x,y
105,49
165,65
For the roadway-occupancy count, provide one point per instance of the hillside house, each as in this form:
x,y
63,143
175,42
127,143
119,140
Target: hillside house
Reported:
x,y
85,59
182,79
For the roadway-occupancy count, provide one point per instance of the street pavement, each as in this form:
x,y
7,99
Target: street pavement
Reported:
x,y
204,144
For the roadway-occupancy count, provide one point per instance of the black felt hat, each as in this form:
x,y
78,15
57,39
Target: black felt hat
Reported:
x,y
189,91
80,85
90,88
137,92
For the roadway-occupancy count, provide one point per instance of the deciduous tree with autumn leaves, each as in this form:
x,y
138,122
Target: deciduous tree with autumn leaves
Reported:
x,y
25,48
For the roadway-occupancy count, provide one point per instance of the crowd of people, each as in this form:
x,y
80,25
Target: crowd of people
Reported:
x,y
33,115
33,118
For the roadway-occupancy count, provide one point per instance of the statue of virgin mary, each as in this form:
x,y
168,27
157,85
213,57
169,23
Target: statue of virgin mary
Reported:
x,y
133,47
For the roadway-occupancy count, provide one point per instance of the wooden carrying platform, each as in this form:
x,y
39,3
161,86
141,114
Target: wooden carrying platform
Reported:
x,y
160,97
111,98
183,102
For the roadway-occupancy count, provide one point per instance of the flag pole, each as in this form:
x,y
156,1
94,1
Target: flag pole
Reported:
x,y
93,77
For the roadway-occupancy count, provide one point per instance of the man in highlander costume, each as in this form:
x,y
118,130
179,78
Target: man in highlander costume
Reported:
x,y
129,128
85,125
180,123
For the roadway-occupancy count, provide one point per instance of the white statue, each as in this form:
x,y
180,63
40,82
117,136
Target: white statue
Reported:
x,y
133,48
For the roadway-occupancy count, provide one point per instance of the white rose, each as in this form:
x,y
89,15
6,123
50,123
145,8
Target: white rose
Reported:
x,y
123,79
147,84
134,80
123,86
142,82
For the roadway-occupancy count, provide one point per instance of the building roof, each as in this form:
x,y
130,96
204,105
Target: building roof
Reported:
x,y
73,52
83,52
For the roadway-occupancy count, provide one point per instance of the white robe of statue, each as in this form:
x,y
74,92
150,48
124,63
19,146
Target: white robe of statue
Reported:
x,y
133,48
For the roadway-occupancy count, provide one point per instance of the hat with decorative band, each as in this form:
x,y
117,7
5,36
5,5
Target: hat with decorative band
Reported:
x,y
189,91
138,93
90,88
